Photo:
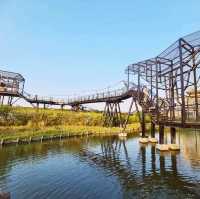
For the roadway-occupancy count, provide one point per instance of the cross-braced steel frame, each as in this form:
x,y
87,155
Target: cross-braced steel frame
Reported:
x,y
172,80
112,115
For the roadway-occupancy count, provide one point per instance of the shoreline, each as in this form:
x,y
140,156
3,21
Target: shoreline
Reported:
x,y
26,135
25,125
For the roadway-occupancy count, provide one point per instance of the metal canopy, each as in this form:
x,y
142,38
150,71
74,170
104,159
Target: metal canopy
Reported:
x,y
11,75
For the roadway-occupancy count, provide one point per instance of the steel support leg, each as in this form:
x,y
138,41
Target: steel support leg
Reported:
x,y
161,134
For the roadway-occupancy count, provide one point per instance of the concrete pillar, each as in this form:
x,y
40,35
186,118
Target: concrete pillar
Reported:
x,y
173,135
161,134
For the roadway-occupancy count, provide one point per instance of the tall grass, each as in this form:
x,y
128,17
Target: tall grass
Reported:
x,y
21,122
36,118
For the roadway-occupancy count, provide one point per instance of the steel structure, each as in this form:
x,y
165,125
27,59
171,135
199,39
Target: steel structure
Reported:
x,y
170,77
166,87
11,86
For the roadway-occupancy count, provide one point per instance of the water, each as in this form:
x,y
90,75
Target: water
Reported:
x,y
101,168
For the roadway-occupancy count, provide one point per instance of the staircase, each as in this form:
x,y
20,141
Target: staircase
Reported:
x,y
149,106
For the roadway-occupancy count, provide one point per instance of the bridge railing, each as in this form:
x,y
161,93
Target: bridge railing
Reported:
x,y
80,99
98,96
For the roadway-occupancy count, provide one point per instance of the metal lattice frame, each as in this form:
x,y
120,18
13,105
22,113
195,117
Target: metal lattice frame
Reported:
x,y
11,86
170,77
112,115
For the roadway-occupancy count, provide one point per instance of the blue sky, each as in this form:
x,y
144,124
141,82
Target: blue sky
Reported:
x,y
69,46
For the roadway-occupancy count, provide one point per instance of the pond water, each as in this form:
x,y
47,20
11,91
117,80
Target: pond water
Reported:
x,y
101,167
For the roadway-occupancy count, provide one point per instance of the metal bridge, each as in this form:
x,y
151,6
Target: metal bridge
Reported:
x,y
166,87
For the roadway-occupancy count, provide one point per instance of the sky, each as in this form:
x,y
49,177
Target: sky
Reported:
x,y
65,47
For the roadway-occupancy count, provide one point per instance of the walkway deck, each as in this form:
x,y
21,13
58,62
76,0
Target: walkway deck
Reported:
x,y
107,96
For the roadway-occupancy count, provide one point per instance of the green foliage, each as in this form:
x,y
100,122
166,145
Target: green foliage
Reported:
x,y
135,118
19,116
37,118
20,122
5,115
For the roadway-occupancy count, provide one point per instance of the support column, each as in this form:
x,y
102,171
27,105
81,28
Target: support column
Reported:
x,y
196,95
183,112
161,134
153,158
174,164
8,103
2,100
129,112
152,129
173,135
162,165
143,158
112,114
171,83
10,98
143,124
157,107
128,78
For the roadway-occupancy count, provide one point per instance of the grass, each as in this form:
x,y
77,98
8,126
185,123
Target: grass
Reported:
x,y
23,132
23,123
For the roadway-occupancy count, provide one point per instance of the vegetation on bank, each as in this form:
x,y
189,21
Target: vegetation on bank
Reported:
x,y
23,132
20,122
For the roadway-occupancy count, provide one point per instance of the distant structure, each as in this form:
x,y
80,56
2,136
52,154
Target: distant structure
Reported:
x,y
11,85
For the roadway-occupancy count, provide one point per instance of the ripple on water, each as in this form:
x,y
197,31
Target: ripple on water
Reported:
x,y
100,168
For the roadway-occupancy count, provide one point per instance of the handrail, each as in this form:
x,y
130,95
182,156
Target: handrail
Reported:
x,y
79,99
98,96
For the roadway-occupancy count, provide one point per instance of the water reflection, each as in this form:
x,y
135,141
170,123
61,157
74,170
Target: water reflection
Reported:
x,y
163,174
105,167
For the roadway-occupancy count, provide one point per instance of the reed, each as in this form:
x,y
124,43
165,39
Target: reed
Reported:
x,y
25,123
